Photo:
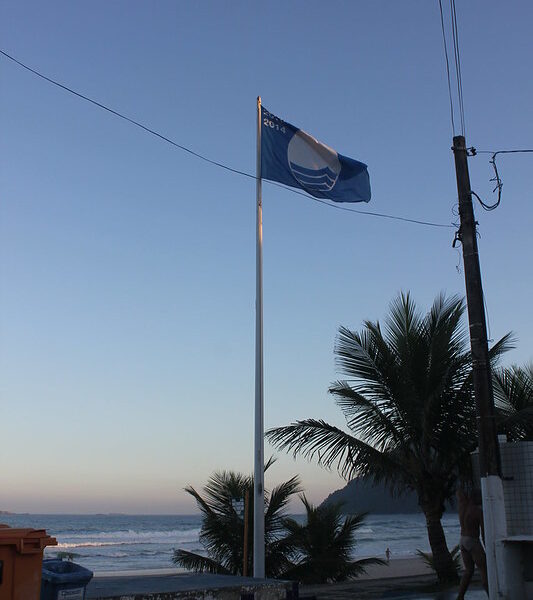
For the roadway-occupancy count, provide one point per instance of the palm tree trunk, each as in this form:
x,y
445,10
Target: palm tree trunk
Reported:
x,y
442,559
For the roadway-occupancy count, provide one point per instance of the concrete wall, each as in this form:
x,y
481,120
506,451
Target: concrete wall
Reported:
x,y
517,472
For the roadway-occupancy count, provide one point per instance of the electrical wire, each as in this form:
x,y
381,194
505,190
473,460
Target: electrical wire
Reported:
x,y
206,159
121,116
447,66
500,151
496,178
457,64
457,55
361,212
487,317
488,207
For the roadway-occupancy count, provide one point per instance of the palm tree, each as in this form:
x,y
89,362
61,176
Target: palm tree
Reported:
x,y
324,545
427,557
408,403
222,532
513,397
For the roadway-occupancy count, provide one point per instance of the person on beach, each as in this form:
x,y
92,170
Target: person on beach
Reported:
x,y
387,554
472,552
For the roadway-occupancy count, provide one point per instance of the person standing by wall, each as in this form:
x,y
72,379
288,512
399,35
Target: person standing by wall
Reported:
x,y
472,552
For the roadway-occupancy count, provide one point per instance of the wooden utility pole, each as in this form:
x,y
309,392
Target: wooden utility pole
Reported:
x,y
489,454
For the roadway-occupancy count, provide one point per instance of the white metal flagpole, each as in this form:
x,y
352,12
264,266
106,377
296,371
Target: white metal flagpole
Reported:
x,y
259,463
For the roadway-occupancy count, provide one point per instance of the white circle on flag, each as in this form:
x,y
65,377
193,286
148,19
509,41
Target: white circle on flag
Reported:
x,y
315,166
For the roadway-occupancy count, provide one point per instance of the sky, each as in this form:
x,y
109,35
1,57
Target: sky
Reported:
x,y
127,266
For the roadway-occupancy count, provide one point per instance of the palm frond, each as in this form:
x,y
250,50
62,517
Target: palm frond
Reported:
x,y
503,345
371,419
198,563
202,504
427,557
513,396
333,448
357,356
401,324
323,546
279,499
270,462
222,531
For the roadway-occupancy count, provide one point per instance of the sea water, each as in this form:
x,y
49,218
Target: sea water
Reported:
x,y
124,542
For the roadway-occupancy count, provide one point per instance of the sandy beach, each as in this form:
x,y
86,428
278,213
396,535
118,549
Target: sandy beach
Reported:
x,y
399,567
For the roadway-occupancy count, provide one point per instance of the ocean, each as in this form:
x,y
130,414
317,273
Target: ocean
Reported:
x,y
124,542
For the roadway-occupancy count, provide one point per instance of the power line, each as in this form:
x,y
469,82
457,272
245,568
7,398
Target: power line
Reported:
x,y
457,54
361,212
494,153
457,65
489,207
121,116
447,66
204,158
496,178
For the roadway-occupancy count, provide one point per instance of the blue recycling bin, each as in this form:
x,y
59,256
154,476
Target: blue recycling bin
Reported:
x,y
63,580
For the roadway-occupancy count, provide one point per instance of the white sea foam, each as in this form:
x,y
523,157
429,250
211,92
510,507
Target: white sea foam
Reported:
x,y
116,538
107,543
90,544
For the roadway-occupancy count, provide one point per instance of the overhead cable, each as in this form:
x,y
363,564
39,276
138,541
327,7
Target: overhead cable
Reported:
x,y
457,55
447,66
204,158
457,66
496,178
121,116
361,212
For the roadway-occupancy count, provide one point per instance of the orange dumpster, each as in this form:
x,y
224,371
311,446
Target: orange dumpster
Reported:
x,y
21,558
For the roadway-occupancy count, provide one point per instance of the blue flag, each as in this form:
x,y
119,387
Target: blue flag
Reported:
x,y
293,157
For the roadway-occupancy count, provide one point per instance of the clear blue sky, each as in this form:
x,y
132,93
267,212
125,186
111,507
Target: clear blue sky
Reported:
x,y
127,267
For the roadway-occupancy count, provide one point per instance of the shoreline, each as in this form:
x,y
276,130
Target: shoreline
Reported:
x,y
396,568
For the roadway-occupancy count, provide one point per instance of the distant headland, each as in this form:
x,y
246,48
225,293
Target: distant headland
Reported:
x,y
362,495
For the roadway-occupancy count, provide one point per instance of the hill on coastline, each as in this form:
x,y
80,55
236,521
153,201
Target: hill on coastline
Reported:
x,y
360,495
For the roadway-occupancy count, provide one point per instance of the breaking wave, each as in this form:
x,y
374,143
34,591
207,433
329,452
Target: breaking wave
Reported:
x,y
130,537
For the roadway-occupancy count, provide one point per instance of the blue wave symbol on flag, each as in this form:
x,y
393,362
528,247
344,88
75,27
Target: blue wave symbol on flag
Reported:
x,y
316,179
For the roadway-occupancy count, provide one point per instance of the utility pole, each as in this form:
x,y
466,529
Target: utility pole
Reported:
x,y
489,454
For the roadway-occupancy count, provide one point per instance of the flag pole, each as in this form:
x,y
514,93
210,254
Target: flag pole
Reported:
x,y
259,463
